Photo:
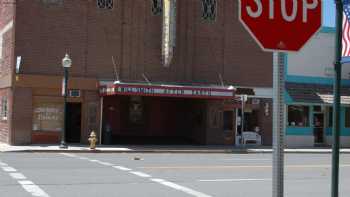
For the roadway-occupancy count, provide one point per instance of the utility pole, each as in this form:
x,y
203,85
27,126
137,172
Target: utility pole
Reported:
x,y
336,104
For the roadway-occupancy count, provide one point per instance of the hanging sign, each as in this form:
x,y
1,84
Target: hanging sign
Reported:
x,y
169,31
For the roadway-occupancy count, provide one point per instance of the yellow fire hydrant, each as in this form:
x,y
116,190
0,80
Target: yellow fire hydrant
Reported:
x,y
92,139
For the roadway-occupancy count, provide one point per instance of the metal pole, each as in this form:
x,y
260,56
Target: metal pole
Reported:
x,y
336,104
278,125
63,134
101,118
242,118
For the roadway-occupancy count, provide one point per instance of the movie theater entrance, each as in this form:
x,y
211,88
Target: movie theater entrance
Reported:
x,y
157,115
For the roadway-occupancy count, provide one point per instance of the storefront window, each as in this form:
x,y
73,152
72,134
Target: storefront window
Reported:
x,y
347,117
330,117
298,116
48,116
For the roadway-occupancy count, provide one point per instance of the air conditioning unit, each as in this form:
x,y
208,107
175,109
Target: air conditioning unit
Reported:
x,y
74,93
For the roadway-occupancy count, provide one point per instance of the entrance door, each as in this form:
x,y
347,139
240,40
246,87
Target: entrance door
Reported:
x,y
319,128
229,126
73,118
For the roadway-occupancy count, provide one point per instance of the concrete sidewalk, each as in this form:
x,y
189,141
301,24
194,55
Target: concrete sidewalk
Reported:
x,y
159,149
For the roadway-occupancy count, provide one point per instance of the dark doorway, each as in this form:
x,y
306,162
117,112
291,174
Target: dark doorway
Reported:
x,y
153,120
73,118
318,128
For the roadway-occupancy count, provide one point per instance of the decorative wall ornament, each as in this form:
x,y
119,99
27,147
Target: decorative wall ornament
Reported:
x,y
209,9
105,4
157,7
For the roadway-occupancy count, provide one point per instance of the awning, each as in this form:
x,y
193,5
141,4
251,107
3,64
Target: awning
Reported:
x,y
167,90
316,93
329,99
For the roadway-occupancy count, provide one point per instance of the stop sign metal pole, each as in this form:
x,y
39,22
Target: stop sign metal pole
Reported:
x,y
278,125
336,104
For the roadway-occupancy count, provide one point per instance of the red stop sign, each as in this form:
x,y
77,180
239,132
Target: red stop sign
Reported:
x,y
281,25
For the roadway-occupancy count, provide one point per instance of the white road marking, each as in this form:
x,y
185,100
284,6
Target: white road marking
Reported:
x,y
140,174
105,163
224,167
3,164
160,181
17,176
83,158
26,182
35,190
68,154
8,169
27,185
121,168
239,159
180,188
233,180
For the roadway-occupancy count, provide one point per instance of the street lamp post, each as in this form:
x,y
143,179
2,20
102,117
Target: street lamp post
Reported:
x,y
66,63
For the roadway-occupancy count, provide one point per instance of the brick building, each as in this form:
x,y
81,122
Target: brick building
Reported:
x,y
122,39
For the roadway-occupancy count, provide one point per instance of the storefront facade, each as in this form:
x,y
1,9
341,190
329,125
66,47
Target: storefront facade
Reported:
x,y
192,98
309,94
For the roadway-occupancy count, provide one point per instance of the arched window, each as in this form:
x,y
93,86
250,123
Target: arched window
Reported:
x,y
105,4
209,9
157,7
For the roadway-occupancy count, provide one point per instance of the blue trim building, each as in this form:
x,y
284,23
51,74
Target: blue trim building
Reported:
x,y
308,94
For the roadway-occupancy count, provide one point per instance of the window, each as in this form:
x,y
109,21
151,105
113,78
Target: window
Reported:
x,y
209,10
157,7
4,108
347,117
298,116
105,4
48,116
330,117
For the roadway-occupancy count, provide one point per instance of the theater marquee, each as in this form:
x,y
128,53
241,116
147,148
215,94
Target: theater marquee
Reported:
x,y
167,91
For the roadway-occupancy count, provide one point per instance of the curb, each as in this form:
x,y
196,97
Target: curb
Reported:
x,y
131,151
192,151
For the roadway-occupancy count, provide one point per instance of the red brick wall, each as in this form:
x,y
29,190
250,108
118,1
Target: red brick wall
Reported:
x,y
7,11
132,34
6,63
22,116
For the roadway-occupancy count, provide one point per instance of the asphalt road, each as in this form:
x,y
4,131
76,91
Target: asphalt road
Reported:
x,y
165,175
